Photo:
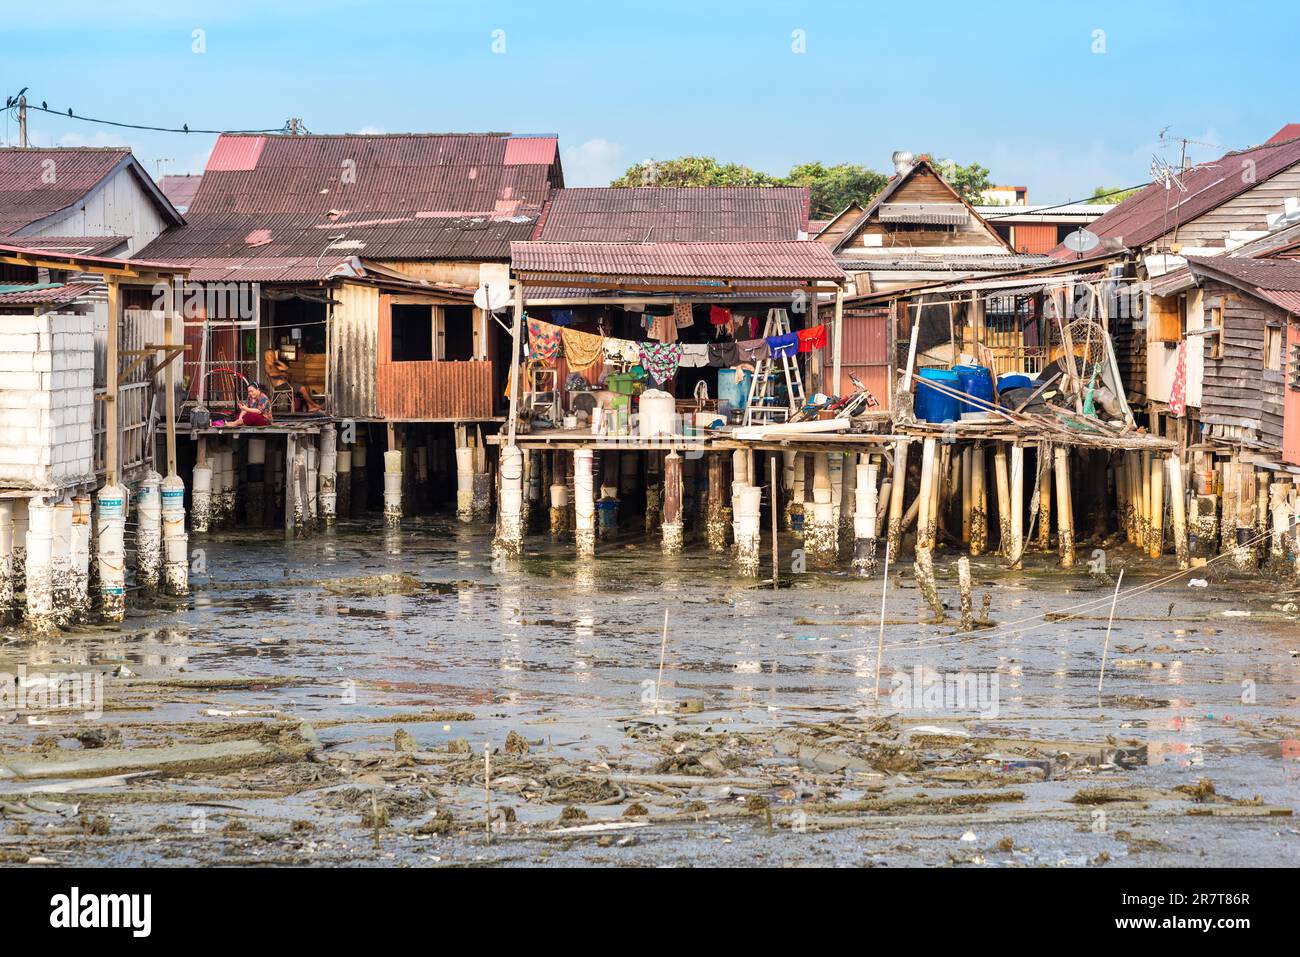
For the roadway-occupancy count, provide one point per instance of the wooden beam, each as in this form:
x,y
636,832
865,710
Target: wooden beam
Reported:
x,y
111,464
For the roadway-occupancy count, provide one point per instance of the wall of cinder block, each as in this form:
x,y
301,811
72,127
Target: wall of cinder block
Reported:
x,y
47,400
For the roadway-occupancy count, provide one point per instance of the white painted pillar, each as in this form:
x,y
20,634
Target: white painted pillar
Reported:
x,y
343,483
176,544
148,536
201,500
510,528
465,483
6,559
393,487
65,611
41,614
111,533
584,503
864,518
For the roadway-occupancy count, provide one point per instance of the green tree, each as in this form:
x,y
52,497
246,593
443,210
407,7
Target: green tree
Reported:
x,y
969,181
834,187
693,171
1108,195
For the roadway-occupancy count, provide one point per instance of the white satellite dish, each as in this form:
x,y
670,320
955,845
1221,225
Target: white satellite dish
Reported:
x,y
1081,241
492,298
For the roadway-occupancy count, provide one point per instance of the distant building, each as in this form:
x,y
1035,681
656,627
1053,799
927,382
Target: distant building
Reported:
x,y
180,189
1039,229
1006,196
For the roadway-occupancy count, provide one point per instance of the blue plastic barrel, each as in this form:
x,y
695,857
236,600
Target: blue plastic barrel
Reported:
x,y
976,381
1014,380
931,404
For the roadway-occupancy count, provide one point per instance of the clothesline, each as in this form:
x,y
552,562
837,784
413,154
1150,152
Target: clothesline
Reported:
x,y
661,359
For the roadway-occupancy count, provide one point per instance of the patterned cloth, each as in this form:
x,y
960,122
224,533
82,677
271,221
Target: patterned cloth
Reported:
x,y
661,359
1178,391
582,349
682,315
622,350
562,317
813,338
783,347
543,341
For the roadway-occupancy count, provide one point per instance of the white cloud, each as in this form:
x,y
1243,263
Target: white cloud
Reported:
x,y
593,163
371,131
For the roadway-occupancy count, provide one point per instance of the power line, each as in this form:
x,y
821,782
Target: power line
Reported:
x,y
1026,211
184,128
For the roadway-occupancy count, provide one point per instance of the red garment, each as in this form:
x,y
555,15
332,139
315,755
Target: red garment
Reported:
x,y
255,418
810,339
719,315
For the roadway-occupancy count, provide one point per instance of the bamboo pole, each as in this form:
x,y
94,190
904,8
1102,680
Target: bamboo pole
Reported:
x,y
1004,499
899,481
1017,505
1064,508
1178,510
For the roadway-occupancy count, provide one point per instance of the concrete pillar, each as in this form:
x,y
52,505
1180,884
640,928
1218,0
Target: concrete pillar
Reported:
x,y
465,483
227,459
746,505
65,611
393,486
864,517
343,483
176,544
584,503
81,509
510,528
148,536
41,612
791,482
820,534
110,528
481,507
20,539
255,482
672,527
312,448
6,560
201,499
654,492
327,475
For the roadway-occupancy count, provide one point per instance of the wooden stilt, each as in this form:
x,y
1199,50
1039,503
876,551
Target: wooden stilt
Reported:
x,y
1156,540
899,483
979,520
1045,468
1004,499
1178,510
1017,505
1064,508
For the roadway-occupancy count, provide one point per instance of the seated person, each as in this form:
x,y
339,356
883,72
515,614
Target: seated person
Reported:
x,y
258,409
278,374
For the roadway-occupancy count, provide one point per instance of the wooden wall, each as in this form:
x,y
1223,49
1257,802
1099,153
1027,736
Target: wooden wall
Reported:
x,y
1238,395
925,186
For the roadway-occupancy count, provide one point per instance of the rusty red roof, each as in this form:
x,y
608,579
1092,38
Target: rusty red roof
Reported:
x,y
70,245
705,214
1275,274
1155,211
778,260
294,208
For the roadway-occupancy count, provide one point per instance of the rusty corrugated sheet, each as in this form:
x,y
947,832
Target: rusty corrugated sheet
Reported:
x,y
1035,238
354,336
28,191
790,260
435,390
864,351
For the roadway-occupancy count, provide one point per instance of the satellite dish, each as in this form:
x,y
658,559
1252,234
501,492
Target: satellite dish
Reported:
x,y
1081,241
492,298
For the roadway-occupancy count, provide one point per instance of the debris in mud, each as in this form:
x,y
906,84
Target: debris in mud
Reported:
x,y
636,809
458,746
371,586
403,740
516,744
571,813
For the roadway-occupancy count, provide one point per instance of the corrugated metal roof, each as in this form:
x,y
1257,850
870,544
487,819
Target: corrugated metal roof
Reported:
x,y
36,183
309,203
70,245
654,214
1283,299
180,189
1155,211
784,260
47,295
522,150
1272,274
932,214
991,263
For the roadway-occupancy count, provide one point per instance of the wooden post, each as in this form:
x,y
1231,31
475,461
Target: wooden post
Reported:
x,y
1045,467
925,497
776,554
1156,541
515,327
672,524
838,341
1004,499
112,465
715,520
979,518
967,471
1017,505
898,483
1178,509
1064,508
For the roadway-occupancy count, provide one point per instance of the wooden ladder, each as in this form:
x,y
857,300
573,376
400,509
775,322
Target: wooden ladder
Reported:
x,y
763,387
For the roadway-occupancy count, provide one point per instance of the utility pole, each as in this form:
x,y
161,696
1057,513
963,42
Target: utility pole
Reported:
x,y
22,121
294,123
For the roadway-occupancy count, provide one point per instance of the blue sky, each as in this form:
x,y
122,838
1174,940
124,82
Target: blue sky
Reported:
x,y
1033,90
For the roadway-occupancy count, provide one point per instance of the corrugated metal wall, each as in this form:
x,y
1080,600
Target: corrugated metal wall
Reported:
x,y
864,351
354,335
1034,238
423,391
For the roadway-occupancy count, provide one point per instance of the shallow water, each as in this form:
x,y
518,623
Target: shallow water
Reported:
x,y
568,655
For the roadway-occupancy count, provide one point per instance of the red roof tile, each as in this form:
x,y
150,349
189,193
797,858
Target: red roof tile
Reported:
x,y
1284,299
784,260
677,215
1155,211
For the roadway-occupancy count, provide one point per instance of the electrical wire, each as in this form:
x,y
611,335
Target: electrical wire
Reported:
x,y
69,114
1034,211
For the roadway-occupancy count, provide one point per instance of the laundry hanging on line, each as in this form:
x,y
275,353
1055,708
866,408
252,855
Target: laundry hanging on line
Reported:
x,y
812,338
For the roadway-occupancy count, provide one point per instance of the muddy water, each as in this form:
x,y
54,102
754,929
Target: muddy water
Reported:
x,y
400,650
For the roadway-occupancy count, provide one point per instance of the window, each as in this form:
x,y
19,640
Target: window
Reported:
x,y
458,333
412,333
1168,318
1214,321
1293,368
1273,348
